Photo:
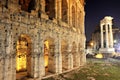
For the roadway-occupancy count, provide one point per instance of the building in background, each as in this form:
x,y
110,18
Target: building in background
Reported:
x,y
40,37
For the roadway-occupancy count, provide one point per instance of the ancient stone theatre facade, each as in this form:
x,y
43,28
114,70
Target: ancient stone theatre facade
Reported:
x,y
39,38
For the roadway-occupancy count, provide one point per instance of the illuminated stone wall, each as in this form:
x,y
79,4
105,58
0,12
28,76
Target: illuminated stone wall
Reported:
x,y
38,26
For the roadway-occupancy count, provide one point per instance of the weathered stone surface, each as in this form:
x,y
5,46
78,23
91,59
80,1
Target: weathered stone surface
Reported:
x,y
26,29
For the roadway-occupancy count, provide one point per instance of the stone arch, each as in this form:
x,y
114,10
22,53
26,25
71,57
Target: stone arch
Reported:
x,y
23,56
27,5
65,11
74,53
64,48
50,8
49,53
73,16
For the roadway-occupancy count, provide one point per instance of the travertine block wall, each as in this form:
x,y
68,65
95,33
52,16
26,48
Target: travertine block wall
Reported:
x,y
37,27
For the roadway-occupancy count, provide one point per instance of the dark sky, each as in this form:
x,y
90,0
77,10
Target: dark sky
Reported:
x,y
96,10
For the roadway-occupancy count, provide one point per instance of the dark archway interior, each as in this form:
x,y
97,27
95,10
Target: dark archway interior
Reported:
x,y
27,5
50,8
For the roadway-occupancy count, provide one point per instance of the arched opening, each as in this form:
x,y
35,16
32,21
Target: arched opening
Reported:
x,y
50,8
49,59
64,47
73,16
27,5
64,11
74,54
23,58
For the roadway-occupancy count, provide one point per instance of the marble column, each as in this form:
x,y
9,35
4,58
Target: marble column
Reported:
x,y
111,36
106,35
101,26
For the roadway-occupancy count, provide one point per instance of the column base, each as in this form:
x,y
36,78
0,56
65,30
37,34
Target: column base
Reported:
x,y
107,52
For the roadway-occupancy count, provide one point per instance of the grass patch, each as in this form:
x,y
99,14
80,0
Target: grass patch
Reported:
x,y
98,70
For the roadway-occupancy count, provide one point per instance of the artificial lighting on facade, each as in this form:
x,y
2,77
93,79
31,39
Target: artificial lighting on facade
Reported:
x,y
21,56
115,41
99,55
91,43
46,52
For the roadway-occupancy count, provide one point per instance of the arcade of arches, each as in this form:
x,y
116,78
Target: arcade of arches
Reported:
x,y
39,38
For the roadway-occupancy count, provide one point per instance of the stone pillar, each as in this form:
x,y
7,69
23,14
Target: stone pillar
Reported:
x,y
42,12
13,70
7,56
111,36
70,13
106,35
41,59
58,56
70,57
77,18
84,57
101,27
58,7
35,65
77,57
83,22
1,67
38,5
42,3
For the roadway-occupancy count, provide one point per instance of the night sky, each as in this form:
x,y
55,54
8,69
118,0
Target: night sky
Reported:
x,y
96,10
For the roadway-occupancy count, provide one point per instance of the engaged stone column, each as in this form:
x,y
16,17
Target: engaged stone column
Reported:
x,y
101,26
77,57
7,56
106,30
41,59
58,56
70,57
1,67
58,9
42,3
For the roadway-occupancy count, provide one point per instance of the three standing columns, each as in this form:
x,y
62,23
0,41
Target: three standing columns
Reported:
x,y
106,33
